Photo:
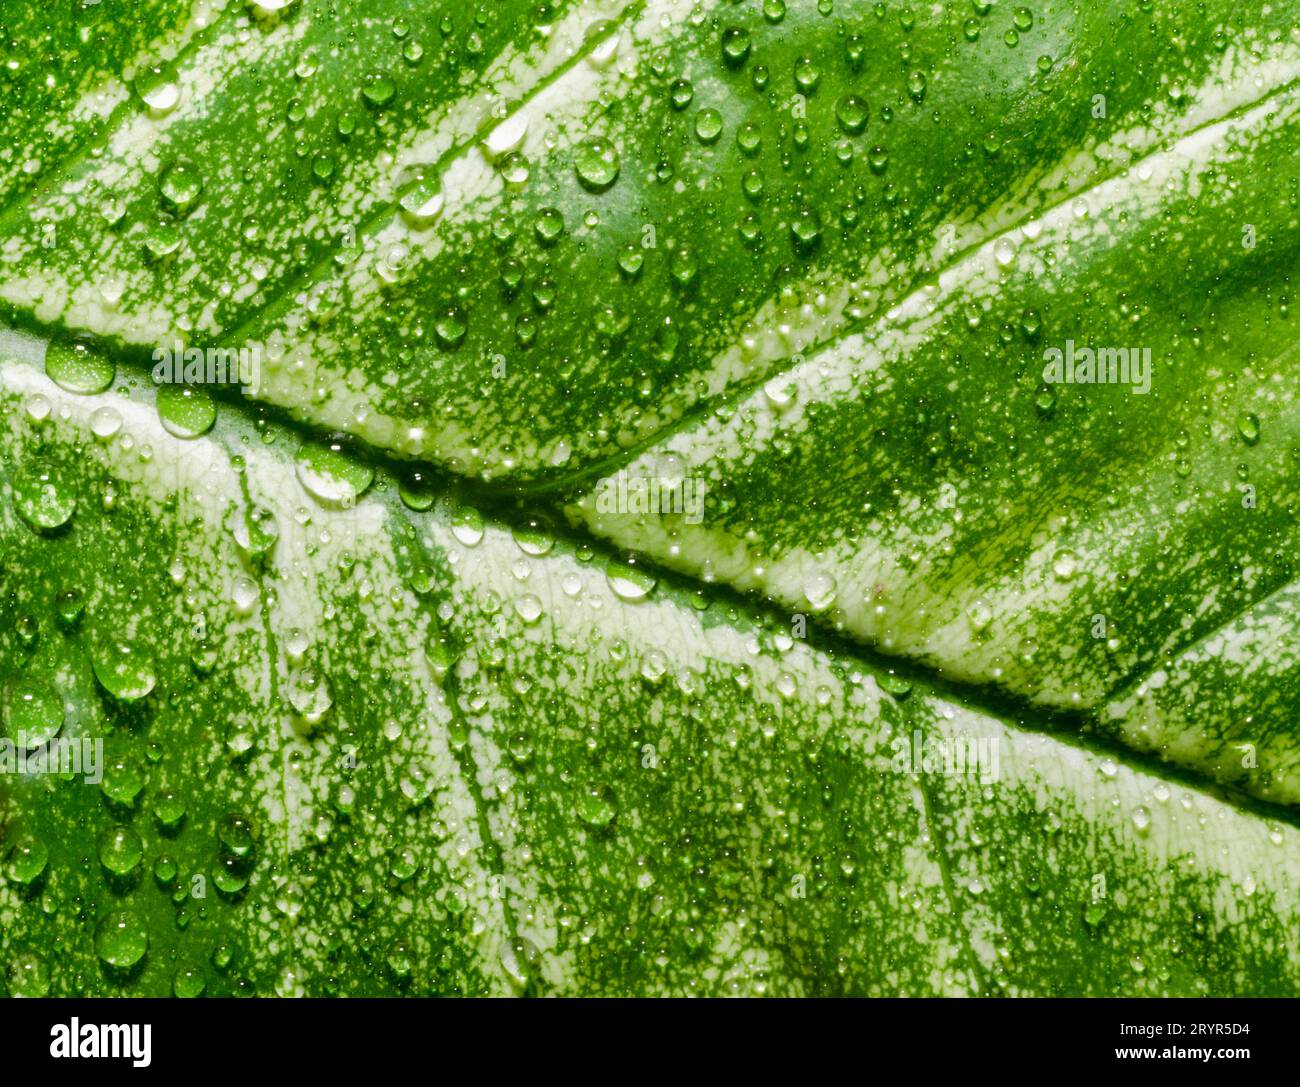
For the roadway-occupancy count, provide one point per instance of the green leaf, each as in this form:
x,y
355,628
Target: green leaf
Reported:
x,y
406,680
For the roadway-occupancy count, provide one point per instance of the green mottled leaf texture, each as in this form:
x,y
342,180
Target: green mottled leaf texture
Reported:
x,y
394,699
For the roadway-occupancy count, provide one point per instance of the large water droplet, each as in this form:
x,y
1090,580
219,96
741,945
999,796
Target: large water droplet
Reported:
x,y
33,713
420,196
42,499
467,526
597,807
27,860
124,671
181,184
596,163
819,591
121,939
628,582
309,694
331,475
185,411
120,850
158,88
75,364
29,976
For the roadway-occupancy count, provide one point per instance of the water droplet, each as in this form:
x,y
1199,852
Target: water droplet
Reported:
x,y
33,713
121,939
534,538
515,170
38,408
654,666
852,114
185,411
708,125
1141,820
896,685
735,46
550,225
181,184
309,694
603,39
806,75
416,492
29,976
169,810
681,94
1065,565
467,526
105,422
124,671
331,475
27,860
596,163
75,364
188,982
597,807
420,196
162,239
529,608
819,590
158,88
41,498
629,582
378,88
244,595
1248,428
507,137
237,835
257,531
806,229
120,850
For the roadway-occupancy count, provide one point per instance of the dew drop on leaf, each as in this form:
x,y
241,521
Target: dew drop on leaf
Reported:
x,y
78,366
628,582
467,526
331,475
596,807
185,411
596,162
124,671
33,713
29,976
27,860
120,850
121,939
